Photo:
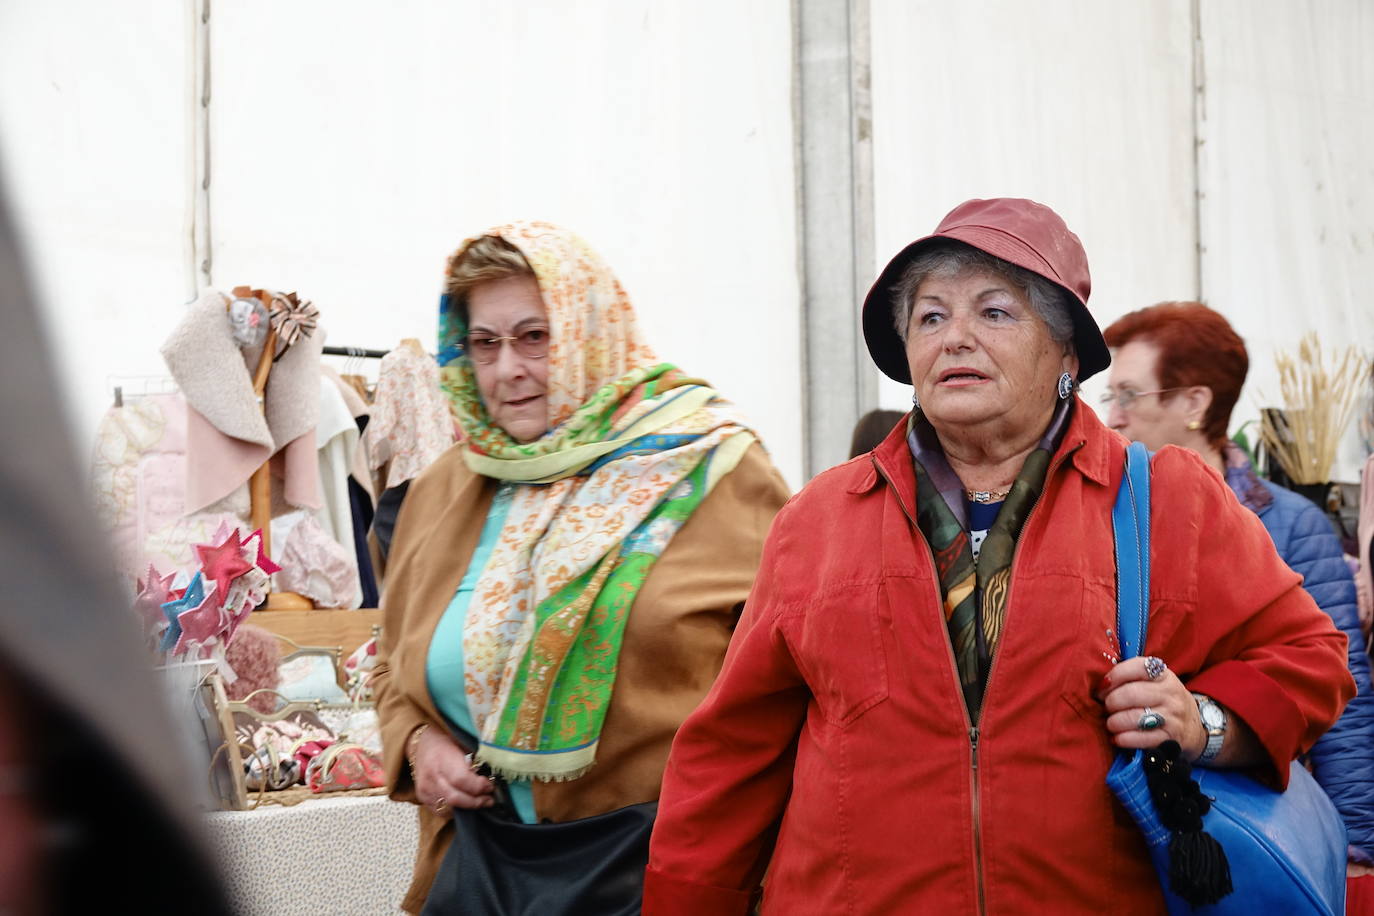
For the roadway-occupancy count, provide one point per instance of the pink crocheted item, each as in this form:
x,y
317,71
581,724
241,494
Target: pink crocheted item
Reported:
x,y
254,654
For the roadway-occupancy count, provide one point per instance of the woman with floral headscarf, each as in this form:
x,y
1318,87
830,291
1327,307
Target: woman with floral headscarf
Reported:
x,y
562,585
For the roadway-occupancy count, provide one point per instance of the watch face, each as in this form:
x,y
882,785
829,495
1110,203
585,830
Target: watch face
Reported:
x,y
1212,716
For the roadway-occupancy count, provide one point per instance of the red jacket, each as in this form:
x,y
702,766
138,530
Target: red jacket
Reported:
x,y
836,739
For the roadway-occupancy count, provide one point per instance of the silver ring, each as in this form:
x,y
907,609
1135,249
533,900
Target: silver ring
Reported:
x,y
1150,720
1155,667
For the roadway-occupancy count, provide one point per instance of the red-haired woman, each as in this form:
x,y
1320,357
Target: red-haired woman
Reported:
x,y
1177,370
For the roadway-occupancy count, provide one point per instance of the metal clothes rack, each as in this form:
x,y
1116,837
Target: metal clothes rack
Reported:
x,y
355,351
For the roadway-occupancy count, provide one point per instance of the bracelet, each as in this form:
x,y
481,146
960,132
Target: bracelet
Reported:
x,y
412,745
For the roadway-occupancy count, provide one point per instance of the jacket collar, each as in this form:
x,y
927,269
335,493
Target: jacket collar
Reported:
x,y
892,460
1090,447
1096,451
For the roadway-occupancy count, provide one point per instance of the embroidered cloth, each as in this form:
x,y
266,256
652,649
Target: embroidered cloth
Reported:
x,y
411,424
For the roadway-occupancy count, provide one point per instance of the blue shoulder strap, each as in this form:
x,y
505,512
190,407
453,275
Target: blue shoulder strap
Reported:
x,y
1131,531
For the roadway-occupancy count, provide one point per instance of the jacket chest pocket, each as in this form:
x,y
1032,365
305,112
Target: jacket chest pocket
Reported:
x,y
1097,647
838,643
1092,649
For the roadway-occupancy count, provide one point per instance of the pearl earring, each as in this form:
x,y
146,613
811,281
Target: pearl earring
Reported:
x,y
1065,386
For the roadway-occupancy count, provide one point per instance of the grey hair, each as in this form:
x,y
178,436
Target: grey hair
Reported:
x,y
950,259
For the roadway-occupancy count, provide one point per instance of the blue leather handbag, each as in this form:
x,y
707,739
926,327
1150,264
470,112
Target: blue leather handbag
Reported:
x,y
1286,850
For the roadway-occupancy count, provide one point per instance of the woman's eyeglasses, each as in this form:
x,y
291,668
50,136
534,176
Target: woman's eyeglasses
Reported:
x,y
1126,397
531,343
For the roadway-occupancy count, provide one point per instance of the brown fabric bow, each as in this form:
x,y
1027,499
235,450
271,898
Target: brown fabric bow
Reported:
x,y
292,318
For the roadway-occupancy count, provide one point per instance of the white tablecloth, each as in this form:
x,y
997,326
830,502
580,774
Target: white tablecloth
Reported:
x,y
346,856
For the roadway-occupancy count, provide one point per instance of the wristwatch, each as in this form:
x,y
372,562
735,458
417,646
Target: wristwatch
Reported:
x,y
1214,720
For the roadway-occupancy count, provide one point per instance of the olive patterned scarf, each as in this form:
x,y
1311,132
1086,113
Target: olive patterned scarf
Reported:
x,y
974,592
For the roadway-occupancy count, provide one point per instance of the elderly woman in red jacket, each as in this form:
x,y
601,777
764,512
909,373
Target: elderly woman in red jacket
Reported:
x,y
923,697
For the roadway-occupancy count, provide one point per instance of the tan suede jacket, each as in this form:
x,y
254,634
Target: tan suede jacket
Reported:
x,y
674,642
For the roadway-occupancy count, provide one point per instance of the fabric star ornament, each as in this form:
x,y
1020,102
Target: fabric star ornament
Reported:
x,y
246,593
153,592
253,552
223,562
256,585
192,598
202,623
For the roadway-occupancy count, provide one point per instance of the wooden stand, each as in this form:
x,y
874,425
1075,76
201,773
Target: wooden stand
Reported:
x,y
260,484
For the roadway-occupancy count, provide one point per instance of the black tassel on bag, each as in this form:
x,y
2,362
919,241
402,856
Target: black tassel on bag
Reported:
x,y
1198,870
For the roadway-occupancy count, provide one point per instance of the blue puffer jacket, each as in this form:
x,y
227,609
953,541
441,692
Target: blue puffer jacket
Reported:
x,y
1343,758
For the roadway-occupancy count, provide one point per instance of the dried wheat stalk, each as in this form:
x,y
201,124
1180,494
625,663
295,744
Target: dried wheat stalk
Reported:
x,y
1318,402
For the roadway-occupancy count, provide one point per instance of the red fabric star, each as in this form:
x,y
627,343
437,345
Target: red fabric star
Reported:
x,y
201,623
222,563
262,561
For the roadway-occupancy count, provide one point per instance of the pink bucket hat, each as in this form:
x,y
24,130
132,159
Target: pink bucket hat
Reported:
x,y
1019,231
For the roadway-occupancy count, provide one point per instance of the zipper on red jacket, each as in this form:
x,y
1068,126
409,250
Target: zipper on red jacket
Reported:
x,y
973,731
977,819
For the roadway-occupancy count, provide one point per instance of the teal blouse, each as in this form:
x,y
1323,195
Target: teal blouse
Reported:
x,y
444,667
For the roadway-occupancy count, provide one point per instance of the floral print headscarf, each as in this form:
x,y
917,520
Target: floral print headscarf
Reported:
x,y
633,448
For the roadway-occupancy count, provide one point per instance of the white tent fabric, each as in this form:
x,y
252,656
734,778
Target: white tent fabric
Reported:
x,y
350,151
1090,108
1287,183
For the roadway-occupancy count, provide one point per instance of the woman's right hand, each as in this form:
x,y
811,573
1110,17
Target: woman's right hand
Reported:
x,y
444,778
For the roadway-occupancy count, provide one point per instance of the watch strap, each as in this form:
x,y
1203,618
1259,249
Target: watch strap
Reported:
x,y
1213,748
1216,737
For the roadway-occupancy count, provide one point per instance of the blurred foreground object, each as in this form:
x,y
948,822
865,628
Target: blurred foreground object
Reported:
x,y
90,813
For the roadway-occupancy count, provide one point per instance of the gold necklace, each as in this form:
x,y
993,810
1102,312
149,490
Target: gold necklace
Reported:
x,y
987,496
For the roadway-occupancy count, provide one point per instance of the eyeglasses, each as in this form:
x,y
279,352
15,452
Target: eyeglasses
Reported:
x,y
1126,397
531,343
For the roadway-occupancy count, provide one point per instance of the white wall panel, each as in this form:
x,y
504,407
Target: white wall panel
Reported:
x,y
353,148
1084,106
94,105
1288,179
354,151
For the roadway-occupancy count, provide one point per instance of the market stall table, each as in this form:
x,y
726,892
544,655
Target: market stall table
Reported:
x,y
350,856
